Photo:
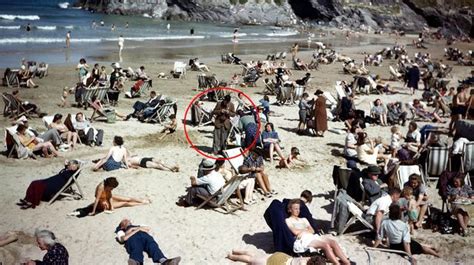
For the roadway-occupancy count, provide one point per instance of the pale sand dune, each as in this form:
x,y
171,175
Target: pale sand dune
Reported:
x,y
202,236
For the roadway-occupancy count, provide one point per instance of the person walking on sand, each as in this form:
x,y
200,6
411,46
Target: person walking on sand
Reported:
x,y
121,41
68,39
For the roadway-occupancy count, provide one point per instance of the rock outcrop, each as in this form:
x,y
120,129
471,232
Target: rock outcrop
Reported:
x,y
409,15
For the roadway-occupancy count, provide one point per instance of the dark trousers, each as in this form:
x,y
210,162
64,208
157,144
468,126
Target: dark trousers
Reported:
x,y
89,138
143,242
219,140
138,106
192,198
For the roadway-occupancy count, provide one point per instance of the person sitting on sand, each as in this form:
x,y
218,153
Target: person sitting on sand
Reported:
x,y
170,127
45,189
150,162
306,239
271,142
379,208
105,201
276,258
293,160
116,158
33,144
136,240
56,253
379,112
398,235
421,196
211,182
65,133
254,167
420,111
97,105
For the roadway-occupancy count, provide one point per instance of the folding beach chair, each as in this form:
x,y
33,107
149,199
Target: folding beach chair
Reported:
x,y
162,113
179,70
12,79
223,196
467,164
14,146
331,102
238,159
341,181
269,88
234,131
404,172
357,216
13,107
437,161
47,120
340,91
199,116
394,75
67,190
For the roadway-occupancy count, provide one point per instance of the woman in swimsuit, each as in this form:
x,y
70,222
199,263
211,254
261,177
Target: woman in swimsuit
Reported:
x,y
105,201
150,162
307,239
115,159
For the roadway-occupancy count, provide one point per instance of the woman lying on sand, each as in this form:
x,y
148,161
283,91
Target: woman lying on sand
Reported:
x,y
276,258
307,239
106,202
150,162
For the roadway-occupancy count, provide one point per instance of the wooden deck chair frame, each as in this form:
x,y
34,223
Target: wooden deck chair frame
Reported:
x,y
223,195
437,161
14,106
203,114
180,67
356,216
162,113
12,79
269,88
72,180
145,87
12,139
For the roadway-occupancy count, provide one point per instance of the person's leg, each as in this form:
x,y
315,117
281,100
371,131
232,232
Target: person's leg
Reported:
x,y
270,150
280,154
119,198
378,221
326,249
338,251
99,137
51,148
52,135
427,249
261,183
249,190
421,215
266,181
153,250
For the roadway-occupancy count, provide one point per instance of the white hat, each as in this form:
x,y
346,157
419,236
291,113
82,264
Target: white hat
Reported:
x,y
208,164
415,65
23,67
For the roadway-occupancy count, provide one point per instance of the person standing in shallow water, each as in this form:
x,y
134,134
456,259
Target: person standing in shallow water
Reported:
x,y
68,39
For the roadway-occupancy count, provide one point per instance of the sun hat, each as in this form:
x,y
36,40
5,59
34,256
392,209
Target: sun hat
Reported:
x,y
208,164
373,170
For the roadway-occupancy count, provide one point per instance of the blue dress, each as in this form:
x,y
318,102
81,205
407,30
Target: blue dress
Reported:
x,y
268,135
111,164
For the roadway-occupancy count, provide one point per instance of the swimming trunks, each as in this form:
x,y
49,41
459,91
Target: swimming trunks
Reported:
x,y
144,160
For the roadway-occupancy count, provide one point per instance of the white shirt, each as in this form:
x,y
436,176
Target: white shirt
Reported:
x,y
213,181
415,135
350,140
381,204
121,41
395,141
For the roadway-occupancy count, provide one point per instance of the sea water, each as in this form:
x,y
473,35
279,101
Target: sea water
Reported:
x,y
50,20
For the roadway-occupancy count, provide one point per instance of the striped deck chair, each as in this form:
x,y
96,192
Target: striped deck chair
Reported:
x,y
467,164
436,162
67,190
12,79
101,94
404,172
199,116
223,196
13,107
162,113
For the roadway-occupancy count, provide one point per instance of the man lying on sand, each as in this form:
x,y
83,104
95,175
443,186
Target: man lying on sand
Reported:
x,y
150,162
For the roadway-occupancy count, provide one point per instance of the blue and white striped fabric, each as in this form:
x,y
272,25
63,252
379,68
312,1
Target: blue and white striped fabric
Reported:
x,y
437,161
468,156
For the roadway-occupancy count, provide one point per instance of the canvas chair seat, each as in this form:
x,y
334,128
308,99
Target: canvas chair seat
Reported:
x,y
437,161
14,145
67,190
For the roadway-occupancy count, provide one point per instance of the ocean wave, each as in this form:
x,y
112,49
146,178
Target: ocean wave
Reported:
x,y
230,35
282,34
178,37
20,17
10,27
42,40
46,27
63,5
69,27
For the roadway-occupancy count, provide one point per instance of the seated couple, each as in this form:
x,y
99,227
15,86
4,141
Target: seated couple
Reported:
x,y
106,202
34,144
119,157
45,189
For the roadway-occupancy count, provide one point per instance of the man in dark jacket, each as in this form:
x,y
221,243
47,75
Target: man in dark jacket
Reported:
x,y
373,186
413,77
139,106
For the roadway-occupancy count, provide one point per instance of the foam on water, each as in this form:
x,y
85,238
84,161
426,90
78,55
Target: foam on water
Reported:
x,y
10,27
19,17
46,27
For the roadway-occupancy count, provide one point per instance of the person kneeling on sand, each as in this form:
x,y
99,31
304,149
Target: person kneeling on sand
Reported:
x,y
136,240
170,127
293,160
275,258
306,239
150,162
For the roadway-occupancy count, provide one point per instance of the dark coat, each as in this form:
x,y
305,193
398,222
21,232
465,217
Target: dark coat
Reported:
x,y
413,77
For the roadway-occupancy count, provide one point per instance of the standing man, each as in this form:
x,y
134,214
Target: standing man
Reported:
x,y
222,112
413,77
68,39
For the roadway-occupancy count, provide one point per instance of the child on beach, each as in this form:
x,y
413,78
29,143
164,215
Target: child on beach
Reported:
x,y
293,160
395,140
64,96
409,207
170,127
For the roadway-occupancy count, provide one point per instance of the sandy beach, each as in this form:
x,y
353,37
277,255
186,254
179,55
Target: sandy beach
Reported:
x,y
198,236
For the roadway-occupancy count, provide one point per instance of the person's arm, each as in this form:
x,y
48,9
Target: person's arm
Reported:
x,y
371,187
130,232
103,160
98,193
231,110
125,159
193,181
246,169
26,140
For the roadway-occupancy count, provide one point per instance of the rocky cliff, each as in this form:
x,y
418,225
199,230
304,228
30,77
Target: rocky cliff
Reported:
x,y
455,16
